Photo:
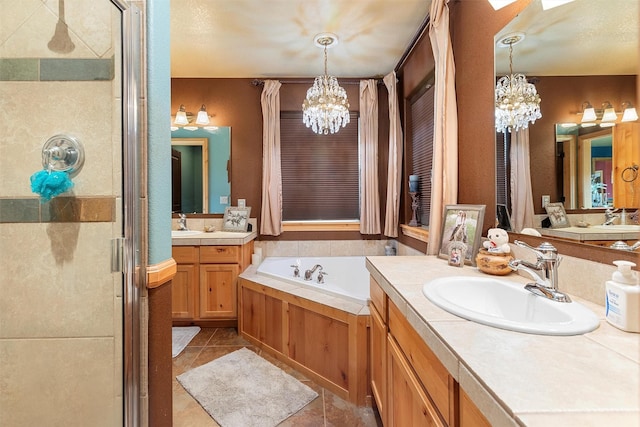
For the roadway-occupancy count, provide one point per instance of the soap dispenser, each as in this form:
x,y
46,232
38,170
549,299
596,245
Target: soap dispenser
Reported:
x,y
623,298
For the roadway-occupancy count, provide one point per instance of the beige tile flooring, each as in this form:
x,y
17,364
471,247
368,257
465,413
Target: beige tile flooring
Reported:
x,y
326,410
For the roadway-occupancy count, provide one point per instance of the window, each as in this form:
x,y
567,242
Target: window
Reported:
x,y
420,133
320,173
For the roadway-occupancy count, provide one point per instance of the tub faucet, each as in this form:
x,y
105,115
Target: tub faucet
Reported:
x,y
321,275
182,222
309,273
296,270
544,271
610,215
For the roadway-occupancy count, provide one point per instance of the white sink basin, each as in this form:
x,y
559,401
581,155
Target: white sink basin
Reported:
x,y
507,305
618,228
184,233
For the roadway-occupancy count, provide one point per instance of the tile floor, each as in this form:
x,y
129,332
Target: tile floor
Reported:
x,y
326,410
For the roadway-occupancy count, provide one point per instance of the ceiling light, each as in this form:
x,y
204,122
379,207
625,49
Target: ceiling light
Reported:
x,y
550,4
203,117
181,117
609,114
630,114
326,107
588,112
517,101
499,4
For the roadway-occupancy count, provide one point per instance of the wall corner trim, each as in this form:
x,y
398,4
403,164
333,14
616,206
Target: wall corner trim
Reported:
x,y
161,273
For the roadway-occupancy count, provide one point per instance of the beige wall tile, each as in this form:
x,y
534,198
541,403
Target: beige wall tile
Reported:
x,y
313,248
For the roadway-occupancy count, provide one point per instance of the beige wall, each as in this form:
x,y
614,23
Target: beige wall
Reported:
x,y
61,307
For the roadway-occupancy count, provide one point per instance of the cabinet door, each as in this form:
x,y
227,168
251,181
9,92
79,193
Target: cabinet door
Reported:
x,y
184,288
218,297
408,404
378,351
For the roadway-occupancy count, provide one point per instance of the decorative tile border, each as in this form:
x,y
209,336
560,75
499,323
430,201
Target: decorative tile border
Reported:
x,y
60,209
52,69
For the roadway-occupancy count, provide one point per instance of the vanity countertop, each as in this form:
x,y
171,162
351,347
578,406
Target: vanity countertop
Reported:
x,y
589,233
217,238
517,378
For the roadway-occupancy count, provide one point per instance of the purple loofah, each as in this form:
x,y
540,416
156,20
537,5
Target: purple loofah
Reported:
x,y
48,184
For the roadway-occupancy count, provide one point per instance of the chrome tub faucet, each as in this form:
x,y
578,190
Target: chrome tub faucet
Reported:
x,y
610,215
544,271
309,273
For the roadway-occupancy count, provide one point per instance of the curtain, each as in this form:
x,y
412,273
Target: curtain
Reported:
x,y
394,168
271,215
444,180
369,197
521,194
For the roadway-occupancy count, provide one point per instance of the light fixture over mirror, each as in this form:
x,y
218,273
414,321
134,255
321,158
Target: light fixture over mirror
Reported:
x,y
184,119
326,107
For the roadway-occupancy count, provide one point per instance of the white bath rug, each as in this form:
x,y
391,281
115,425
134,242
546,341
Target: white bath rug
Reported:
x,y
242,389
181,336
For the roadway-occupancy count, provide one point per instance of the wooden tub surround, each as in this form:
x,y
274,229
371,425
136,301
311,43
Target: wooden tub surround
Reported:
x,y
308,333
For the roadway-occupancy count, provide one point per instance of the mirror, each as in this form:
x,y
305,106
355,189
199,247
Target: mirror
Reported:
x,y
570,66
201,170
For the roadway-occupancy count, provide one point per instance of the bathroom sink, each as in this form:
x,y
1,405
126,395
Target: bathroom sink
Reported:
x,y
507,305
619,228
184,233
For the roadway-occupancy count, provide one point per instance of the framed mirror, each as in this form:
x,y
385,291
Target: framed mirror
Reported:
x,y
201,170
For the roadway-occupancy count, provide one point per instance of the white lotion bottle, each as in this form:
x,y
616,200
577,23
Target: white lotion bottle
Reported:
x,y
623,298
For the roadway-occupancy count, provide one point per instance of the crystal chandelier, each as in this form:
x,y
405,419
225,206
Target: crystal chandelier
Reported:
x,y
517,101
326,107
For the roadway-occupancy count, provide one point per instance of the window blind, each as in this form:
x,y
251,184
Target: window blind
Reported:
x,y
320,173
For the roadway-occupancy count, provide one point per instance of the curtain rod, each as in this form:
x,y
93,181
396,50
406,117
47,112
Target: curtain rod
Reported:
x,y
260,82
416,37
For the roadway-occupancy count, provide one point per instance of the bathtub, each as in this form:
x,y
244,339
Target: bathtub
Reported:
x,y
345,277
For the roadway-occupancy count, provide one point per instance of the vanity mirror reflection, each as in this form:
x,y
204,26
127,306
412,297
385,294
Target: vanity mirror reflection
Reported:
x,y
201,170
569,65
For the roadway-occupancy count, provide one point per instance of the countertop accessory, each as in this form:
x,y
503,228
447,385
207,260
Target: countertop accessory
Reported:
x,y
622,302
461,223
236,219
557,215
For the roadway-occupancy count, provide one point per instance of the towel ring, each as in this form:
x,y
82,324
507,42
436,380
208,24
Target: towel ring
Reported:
x,y
630,174
63,153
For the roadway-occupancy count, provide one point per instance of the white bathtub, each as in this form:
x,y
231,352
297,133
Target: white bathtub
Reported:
x,y
345,277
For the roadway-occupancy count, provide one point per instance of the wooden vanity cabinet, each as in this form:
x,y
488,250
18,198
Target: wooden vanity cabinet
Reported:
x,y
204,290
409,384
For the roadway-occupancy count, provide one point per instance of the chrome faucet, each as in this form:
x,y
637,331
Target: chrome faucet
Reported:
x,y
309,273
635,216
544,271
321,275
610,216
182,222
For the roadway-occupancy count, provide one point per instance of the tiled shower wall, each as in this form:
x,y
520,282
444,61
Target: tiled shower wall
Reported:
x,y
60,305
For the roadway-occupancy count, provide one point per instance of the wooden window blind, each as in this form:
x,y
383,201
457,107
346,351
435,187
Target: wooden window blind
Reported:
x,y
320,173
420,122
503,188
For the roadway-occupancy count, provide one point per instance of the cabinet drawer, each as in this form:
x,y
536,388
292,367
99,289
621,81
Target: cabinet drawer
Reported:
x,y
185,254
431,372
220,254
378,298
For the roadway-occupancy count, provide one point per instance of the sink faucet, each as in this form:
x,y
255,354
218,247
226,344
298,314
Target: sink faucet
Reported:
x,y
309,273
610,216
182,222
544,271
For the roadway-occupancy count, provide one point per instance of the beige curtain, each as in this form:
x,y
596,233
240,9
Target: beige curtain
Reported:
x,y
369,197
521,194
394,168
444,180
271,215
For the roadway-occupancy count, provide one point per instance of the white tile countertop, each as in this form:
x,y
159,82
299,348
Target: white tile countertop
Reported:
x,y
590,233
516,378
218,238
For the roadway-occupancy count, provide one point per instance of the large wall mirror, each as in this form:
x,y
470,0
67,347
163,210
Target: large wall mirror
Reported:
x,y
585,50
201,170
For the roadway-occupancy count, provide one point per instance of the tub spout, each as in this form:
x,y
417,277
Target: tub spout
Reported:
x,y
309,273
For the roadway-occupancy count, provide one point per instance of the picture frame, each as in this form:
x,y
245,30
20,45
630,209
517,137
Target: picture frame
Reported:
x,y
236,219
557,215
461,224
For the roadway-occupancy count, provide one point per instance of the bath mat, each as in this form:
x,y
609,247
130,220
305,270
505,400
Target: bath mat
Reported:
x,y
181,336
242,389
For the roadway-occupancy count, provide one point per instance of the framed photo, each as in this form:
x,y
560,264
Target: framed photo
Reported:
x,y
557,215
461,225
236,219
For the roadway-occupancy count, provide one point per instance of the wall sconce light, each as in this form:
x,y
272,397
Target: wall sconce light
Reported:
x,y
499,4
203,117
630,114
588,112
609,114
181,116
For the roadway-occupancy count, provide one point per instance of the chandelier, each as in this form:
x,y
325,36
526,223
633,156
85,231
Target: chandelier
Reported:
x,y
326,107
517,101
